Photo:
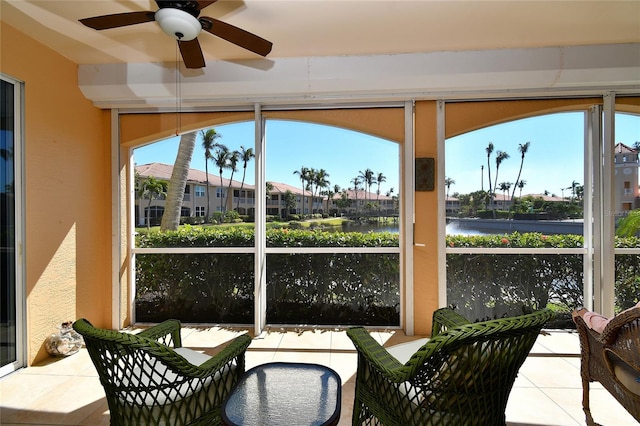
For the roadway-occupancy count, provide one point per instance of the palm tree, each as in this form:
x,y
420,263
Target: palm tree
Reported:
x,y
209,138
522,148
573,187
331,193
232,164
393,197
368,179
268,188
220,158
521,185
448,182
320,181
500,157
175,193
289,202
303,173
245,155
629,226
379,179
504,187
356,184
151,189
311,177
489,150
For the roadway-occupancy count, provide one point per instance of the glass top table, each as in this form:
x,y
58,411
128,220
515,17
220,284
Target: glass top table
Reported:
x,y
283,393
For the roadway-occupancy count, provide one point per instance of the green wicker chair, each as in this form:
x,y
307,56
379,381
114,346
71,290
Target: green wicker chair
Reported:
x,y
149,382
462,376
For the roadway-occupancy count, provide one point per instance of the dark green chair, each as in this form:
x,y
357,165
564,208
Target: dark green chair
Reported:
x,y
149,379
461,376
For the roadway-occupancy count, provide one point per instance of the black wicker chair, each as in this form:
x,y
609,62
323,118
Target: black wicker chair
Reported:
x,y
462,376
149,379
613,359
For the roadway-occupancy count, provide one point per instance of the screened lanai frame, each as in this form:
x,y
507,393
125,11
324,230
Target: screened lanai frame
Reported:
x,y
260,251
14,295
599,227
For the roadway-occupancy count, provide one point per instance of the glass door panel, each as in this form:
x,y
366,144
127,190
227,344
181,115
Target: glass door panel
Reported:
x,y
10,231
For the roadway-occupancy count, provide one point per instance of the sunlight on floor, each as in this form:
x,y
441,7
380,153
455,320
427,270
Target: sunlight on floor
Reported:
x,y
66,391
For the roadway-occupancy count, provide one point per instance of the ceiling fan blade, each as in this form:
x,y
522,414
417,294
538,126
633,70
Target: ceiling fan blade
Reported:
x,y
116,20
204,3
184,5
191,53
236,35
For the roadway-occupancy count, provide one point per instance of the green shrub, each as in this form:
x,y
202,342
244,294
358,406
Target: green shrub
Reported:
x,y
324,288
495,284
357,288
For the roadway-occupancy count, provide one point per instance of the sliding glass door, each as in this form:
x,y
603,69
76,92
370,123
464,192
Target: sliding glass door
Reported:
x,y
11,299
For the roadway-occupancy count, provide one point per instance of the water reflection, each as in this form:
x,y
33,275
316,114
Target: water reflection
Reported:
x,y
369,227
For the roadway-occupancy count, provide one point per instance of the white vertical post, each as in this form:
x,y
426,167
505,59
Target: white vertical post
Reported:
x,y
608,198
408,219
592,214
260,285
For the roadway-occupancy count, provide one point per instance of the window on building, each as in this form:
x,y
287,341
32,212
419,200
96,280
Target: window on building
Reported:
x,y
200,211
200,191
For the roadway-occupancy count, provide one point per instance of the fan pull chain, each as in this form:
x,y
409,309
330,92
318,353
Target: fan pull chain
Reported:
x,y
178,93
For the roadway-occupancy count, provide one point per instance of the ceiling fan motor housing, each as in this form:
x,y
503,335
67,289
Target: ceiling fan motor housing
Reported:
x,y
178,24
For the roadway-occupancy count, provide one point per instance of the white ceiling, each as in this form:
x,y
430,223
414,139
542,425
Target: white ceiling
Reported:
x,y
312,28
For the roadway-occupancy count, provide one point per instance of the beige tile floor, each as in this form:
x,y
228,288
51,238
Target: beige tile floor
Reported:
x,y
66,391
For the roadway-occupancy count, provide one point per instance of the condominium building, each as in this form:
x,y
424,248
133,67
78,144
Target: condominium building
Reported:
x,y
196,203
627,196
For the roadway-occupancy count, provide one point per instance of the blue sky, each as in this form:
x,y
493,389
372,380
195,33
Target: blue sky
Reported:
x,y
554,159
292,145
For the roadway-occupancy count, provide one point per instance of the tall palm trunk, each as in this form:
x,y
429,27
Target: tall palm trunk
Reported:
x,y
206,171
523,148
489,150
175,192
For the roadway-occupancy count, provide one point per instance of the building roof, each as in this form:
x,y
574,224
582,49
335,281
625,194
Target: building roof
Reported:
x,y
547,197
621,148
361,195
163,171
281,188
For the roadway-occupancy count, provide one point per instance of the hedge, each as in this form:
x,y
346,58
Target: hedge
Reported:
x,y
331,288
356,288
492,285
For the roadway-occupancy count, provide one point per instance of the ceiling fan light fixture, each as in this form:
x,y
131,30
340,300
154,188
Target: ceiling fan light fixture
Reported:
x,y
178,24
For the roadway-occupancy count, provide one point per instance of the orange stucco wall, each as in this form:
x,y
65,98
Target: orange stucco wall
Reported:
x,y
425,258
67,192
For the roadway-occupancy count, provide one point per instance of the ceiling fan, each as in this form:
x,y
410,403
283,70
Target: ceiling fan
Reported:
x,y
182,21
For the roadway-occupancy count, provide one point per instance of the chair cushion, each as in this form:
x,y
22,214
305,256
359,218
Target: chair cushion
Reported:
x,y
403,351
194,357
595,321
627,376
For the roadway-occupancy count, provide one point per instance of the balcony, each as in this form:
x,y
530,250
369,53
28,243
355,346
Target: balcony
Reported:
x,y
66,391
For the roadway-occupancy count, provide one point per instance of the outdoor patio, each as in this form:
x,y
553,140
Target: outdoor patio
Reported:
x,y
66,391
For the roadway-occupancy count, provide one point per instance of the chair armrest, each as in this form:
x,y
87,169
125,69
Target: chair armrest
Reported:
x,y
235,349
377,356
446,318
610,332
167,333
180,364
